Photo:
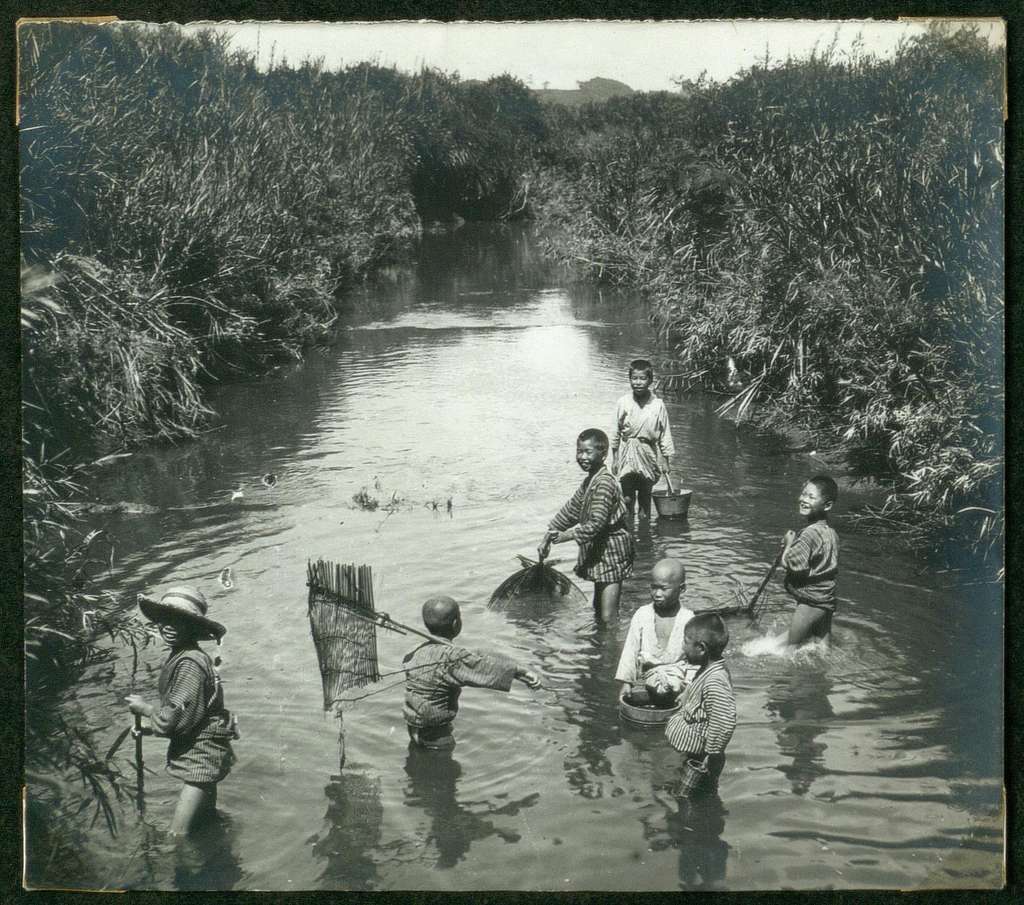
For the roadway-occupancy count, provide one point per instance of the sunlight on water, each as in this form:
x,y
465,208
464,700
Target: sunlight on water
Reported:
x,y
873,763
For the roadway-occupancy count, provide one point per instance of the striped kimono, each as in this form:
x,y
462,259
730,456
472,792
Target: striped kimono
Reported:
x,y
192,715
705,722
598,513
435,675
641,432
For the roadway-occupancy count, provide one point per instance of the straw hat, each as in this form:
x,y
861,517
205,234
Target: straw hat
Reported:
x,y
183,602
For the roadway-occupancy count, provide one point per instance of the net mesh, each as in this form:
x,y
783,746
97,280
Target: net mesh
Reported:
x,y
342,622
534,579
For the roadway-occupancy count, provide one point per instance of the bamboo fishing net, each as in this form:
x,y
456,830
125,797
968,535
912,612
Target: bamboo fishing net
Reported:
x,y
534,579
344,627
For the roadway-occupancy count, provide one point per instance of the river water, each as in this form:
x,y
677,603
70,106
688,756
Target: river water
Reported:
x,y
877,763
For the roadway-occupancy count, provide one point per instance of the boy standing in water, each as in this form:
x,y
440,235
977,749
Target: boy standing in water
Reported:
x,y
811,560
191,712
653,652
642,438
595,517
704,725
435,674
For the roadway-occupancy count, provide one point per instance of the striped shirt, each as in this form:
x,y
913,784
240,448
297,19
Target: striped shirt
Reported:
x,y
642,431
192,715
435,675
707,717
598,513
812,564
191,699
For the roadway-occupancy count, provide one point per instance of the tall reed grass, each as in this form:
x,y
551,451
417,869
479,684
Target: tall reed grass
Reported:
x,y
834,226
186,216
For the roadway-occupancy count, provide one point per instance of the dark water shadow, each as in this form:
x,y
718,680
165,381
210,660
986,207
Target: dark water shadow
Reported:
x,y
696,831
207,858
799,698
351,832
596,714
454,826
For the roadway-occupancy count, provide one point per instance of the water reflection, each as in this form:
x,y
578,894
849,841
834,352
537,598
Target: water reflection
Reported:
x,y
454,827
597,717
206,859
799,698
351,833
696,830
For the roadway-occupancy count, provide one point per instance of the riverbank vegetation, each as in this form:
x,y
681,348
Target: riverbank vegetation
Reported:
x,y
189,217
822,238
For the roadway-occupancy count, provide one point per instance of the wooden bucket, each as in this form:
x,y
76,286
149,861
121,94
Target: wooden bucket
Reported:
x,y
672,504
636,707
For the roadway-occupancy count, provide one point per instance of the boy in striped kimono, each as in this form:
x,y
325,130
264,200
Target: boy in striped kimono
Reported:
x,y
705,722
595,517
436,673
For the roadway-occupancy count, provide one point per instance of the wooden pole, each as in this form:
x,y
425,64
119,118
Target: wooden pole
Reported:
x,y
140,775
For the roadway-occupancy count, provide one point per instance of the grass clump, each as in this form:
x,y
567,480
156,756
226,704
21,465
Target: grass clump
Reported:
x,y
833,226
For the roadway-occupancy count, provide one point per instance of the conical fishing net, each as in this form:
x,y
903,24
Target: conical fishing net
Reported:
x,y
535,580
343,623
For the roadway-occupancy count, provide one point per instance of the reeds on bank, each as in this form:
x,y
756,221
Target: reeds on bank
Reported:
x,y
187,216
201,215
832,227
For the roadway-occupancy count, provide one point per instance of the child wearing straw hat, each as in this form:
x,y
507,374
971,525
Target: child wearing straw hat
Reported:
x,y
191,712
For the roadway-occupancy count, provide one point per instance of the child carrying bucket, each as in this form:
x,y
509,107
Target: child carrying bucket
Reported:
x,y
642,438
191,712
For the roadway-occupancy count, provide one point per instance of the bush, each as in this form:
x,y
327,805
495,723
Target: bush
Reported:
x,y
833,226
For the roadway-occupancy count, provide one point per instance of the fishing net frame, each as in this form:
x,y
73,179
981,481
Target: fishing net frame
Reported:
x,y
528,575
343,623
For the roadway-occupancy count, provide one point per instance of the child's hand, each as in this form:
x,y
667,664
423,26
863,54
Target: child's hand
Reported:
x,y
788,537
545,545
529,679
136,704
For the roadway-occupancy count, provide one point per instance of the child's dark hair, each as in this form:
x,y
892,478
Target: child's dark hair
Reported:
x,y
599,437
710,629
641,364
826,486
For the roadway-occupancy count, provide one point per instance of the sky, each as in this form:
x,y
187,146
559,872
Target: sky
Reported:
x,y
647,56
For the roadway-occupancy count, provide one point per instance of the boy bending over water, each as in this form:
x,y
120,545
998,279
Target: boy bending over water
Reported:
x,y
704,725
595,517
435,674
811,560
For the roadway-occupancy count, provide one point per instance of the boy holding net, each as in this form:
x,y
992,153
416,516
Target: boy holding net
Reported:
x,y
595,517
436,673
811,560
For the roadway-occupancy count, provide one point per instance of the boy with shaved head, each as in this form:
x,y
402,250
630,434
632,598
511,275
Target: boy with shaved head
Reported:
x,y
653,652
436,672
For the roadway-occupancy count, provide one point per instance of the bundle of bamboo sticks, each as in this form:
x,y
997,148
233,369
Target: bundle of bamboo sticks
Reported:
x,y
343,624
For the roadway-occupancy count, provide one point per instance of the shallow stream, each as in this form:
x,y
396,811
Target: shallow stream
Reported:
x,y
875,764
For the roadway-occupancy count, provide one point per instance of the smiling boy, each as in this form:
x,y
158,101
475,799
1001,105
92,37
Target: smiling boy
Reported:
x,y
595,517
811,560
